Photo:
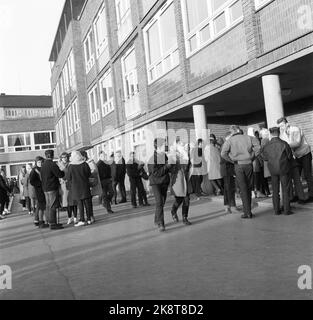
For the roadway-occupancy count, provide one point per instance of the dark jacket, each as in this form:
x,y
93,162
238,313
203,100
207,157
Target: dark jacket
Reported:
x,y
132,169
104,171
78,176
159,168
4,190
35,181
50,174
227,168
118,170
279,156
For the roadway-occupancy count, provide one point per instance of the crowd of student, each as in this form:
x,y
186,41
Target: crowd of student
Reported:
x,y
238,163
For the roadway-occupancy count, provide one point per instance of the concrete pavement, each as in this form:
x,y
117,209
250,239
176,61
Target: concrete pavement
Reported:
x,y
123,256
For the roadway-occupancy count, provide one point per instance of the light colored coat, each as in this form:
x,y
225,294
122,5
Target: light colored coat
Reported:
x,y
212,156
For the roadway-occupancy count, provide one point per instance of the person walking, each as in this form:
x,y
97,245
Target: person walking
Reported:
x,y
26,189
134,172
180,186
241,150
104,169
66,190
10,192
118,176
159,168
279,155
21,175
212,155
296,139
50,175
78,176
198,168
35,181
228,174
4,193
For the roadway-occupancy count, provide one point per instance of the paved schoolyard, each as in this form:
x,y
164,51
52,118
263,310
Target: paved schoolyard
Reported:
x,y
123,256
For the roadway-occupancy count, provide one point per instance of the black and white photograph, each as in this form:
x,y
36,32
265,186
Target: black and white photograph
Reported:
x,y
156,155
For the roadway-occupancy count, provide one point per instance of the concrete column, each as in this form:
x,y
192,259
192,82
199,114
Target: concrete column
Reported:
x,y
200,121
273,99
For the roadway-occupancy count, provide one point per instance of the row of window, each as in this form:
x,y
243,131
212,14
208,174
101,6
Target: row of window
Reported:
x,y
25,113
66,82
204,21
29,141
68,124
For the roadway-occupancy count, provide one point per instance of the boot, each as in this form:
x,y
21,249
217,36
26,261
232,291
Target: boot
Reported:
x,y
186,221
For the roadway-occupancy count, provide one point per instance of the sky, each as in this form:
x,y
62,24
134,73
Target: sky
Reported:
x,y
27,31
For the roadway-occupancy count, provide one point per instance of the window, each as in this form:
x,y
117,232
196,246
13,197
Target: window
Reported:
x,y
129,67
93,105
57,131
76,119
61,132
261,3
204,20
124,20
69,121
57,95
71,70
62,100
106,90
101,34
131,87
2,144
89,55
44,140
161,42
19,142
66,79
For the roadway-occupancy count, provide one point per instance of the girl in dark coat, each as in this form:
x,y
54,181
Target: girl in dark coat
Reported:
x,y
35,181
4,192
78,176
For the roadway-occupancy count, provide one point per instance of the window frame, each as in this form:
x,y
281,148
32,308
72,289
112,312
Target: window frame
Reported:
x,y
123,21
87,43
259,4
69,117
106,107
170,53
94,115
208,22
71,70
76,118
103,45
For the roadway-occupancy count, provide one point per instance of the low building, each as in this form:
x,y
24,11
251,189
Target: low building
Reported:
x,y
26,130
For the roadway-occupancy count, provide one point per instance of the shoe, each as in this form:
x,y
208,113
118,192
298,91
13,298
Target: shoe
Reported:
x,y
134,207
278,213
175,217
69,221
75,220
186,222
245,216
161,228
147,204
80,224
93,220
56,227
309,200
36,223
43,225
289,213
89,223
110,212
294,199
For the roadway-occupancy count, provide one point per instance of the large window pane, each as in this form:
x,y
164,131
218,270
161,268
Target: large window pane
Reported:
x,y
42,138
218,3
197,11
154,44
220,23
236,11
168,26
16,140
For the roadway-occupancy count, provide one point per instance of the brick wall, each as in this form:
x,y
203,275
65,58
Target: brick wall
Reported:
x,y
278,23
219,58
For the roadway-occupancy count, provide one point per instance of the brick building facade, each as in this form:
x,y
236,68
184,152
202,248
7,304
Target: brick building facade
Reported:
x,y
125,68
